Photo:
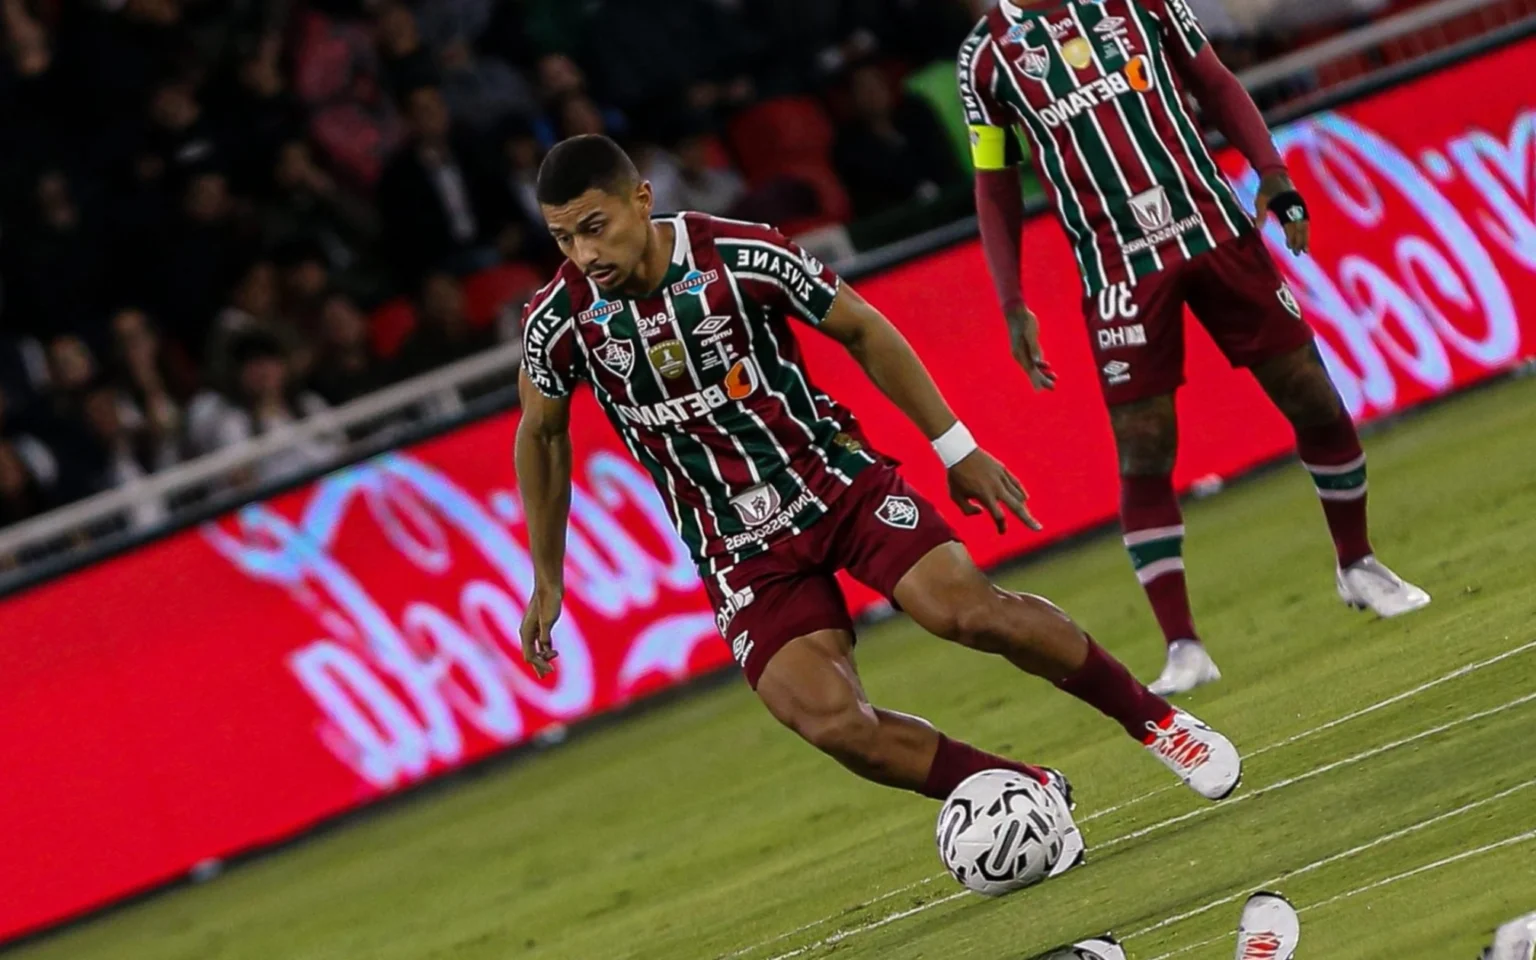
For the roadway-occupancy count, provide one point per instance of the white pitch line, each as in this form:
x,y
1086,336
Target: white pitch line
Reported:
x,y
1314,772
1171,821
816,923
1379,705
1335,858
1378,884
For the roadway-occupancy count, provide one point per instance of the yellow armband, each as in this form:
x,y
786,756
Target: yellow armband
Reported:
x,y
989,147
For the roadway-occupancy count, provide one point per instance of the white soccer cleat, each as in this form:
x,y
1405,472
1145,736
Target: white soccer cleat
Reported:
x,y
1094,948
1188,667
1073,848
1515,940
1198,755
1369,585
1270,929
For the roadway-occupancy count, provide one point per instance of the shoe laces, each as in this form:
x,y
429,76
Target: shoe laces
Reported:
x,y
1178,744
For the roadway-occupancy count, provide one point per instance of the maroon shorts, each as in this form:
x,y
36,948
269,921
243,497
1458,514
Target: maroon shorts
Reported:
x,y
877,530
1235,291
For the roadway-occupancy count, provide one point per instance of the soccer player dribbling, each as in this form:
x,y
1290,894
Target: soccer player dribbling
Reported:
x,y
680,325
1097,86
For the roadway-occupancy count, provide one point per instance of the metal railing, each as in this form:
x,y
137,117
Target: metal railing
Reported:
x,y
375,421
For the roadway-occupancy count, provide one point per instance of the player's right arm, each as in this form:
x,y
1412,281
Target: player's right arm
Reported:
x,y
543,460
999,198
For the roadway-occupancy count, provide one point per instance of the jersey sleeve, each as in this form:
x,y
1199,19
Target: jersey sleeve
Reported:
x,y
551,356
1181,29
987,119
776,272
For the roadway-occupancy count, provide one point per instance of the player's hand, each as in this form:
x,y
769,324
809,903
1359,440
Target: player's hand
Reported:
x,y
1024,334
538,628
980,484
1278,193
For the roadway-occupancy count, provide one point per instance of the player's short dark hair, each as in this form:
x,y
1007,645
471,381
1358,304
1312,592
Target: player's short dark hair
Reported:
x,y
582,163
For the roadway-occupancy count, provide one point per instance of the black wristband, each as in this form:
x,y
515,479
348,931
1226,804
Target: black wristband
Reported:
x,y
1289,207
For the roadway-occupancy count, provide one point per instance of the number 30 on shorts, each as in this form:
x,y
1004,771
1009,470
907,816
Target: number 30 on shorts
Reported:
x,y
1115,303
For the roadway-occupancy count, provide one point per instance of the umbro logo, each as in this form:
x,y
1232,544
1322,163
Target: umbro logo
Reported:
x,y
712,324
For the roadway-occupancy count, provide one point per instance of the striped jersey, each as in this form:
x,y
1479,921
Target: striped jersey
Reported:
x,y
1095,85
704,381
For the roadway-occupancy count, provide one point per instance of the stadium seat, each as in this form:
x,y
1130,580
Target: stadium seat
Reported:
x,y
775,136
389,325
487,292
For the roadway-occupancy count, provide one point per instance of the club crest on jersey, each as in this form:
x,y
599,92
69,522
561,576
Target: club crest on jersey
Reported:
x,y
695,282
600,311
669,358
758,505
1288,300
1152,209
898,512
1034,62
617,355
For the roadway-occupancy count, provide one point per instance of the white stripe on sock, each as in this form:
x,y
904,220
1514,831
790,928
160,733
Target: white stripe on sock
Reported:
x,y
1352,494
1157,568
1138,537
1326,470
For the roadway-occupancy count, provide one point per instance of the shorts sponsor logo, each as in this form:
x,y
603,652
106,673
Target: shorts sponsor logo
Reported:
x,y
617,355
1134,335
740,382
1152,209
1288,300
776,524
898,512
732,605
741,647
757,505
1117,372
600,311
669,358
1078,53
695,282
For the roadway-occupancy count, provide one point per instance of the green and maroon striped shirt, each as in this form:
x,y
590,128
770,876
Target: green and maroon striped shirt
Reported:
x,y
1095,85
703,379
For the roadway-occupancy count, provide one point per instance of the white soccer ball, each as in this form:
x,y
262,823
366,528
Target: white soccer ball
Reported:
x,y
999,831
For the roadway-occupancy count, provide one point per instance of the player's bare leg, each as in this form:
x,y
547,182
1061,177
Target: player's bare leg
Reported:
x,y
1299,385
1147,442
812,686
949,596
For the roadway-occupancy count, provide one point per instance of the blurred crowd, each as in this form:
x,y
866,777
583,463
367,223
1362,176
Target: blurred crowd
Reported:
x,y
204,203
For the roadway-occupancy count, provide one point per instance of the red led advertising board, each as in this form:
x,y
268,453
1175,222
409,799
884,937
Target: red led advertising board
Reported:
x,y
232,685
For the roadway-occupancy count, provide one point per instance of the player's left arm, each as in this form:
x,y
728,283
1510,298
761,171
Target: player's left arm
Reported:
x,y
1224,99
977,481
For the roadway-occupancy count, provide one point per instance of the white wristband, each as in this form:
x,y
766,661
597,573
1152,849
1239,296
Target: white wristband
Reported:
x,y
954,445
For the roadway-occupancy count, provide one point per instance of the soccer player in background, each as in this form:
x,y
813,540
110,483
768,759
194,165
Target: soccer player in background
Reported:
x,y
1098,87
680,326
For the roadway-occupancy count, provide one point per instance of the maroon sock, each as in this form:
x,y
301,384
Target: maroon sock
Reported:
x,y
1104,684
1332,454
1154,537
955,761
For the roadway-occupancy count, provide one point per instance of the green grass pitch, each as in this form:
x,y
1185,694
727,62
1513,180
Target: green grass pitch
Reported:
x,y
701,830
